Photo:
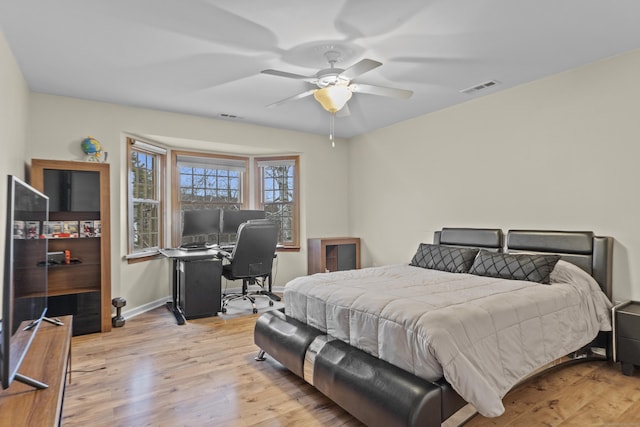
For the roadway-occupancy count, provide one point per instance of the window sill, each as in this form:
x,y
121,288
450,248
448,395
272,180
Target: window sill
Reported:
x,y
144,256
288,249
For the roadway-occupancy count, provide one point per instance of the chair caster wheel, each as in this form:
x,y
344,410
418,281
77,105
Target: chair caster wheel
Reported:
x,y
224,309
271,303
255,310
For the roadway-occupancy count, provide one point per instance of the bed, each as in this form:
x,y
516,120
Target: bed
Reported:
x,y
372,342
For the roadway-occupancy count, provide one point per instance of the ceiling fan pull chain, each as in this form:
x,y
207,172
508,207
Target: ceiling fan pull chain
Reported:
x,y
332,118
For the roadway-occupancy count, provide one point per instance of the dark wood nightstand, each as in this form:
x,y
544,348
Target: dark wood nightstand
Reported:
x,y
626,335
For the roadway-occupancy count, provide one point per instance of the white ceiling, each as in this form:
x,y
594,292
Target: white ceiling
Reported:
x,y
204,57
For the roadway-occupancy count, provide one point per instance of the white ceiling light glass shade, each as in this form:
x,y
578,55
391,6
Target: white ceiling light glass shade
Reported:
x,y
333,98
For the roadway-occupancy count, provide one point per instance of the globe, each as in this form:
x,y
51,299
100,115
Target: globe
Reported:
x,y
91,146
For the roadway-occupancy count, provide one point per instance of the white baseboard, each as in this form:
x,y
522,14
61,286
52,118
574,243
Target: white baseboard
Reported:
x,y
128,314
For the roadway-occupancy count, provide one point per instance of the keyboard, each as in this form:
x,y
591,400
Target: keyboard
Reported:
x,y
194,247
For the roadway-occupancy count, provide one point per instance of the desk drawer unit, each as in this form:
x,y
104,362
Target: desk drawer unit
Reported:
x,y
626,329
200,293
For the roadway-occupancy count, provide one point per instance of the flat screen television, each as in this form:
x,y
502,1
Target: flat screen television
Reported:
x,y
24,288
72,191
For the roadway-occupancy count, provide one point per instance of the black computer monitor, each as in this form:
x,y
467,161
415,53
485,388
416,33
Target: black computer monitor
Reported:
x,y
201,224
231,219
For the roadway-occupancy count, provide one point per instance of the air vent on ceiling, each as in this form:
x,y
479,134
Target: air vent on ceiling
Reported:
x,y
229,116
481,86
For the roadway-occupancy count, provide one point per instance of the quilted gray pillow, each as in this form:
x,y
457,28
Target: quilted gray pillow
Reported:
x,y
534,268
445,258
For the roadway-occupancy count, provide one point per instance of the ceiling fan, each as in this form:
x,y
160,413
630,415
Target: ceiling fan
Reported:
x,y
335,85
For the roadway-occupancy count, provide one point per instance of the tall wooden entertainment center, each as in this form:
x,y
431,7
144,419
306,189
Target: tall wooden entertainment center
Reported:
x,y
79,192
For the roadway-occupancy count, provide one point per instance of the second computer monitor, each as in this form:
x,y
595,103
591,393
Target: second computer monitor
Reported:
x,y
232,219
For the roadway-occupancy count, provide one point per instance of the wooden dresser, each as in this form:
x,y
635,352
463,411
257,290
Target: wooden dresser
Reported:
x,y
47,360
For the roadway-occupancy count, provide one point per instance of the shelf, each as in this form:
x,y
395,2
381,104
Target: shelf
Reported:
x,y
74,216
74,265
72,291
52,239
79,191
78,276
62,292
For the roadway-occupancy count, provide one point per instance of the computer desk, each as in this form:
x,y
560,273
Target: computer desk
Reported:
x,y
179,258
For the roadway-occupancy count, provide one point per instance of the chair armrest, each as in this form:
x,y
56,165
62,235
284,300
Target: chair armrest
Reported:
x,y
224,254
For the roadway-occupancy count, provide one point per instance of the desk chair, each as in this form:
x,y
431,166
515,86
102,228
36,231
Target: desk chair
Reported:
x,y
251,260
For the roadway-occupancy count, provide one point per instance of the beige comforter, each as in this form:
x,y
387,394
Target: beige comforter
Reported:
x,y
482,334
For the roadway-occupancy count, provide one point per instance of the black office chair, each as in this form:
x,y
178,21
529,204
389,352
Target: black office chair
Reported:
x,y
252,261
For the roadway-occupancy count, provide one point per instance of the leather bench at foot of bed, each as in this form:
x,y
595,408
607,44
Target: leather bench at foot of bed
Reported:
x,y
284,338
372,390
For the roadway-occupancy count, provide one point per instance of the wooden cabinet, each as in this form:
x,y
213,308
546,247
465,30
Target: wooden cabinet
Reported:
x,y
79,191
626,331
333,254
47,361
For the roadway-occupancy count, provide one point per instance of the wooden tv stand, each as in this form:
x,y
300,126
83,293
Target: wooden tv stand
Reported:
x,y
47,361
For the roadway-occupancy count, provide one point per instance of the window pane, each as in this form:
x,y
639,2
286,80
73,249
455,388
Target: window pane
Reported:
x,y
143,175
145,225
209,188
278,197
144,171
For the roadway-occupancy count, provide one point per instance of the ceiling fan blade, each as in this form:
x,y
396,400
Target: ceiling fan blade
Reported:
x,y
290,75
343,112
360,68
366,18
201,20
382,91
191,72
292,98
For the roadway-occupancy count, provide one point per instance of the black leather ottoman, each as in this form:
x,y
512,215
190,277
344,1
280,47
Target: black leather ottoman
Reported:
x,y
285,339
377,393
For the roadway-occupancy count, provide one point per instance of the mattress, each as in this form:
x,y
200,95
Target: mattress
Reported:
x,y
481,334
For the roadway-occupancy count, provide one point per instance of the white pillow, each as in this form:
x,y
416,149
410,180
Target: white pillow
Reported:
x,y
565,272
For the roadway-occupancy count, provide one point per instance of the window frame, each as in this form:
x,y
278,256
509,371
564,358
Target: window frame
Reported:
x,y
134,144
176,205
294,245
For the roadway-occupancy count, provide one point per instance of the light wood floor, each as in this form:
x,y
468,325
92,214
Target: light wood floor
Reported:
x,y
152,372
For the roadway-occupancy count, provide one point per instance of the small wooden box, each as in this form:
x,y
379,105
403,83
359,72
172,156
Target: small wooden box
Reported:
x,y
333,254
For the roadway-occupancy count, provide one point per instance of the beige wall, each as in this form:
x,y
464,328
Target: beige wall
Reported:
x,y
58,124
559,153
14,102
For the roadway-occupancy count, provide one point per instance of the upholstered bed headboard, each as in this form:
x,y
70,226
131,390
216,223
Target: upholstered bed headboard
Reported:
x,y
491,239
594,254
590,252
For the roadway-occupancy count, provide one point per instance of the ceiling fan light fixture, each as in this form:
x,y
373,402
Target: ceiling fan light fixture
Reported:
x,y
333,98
